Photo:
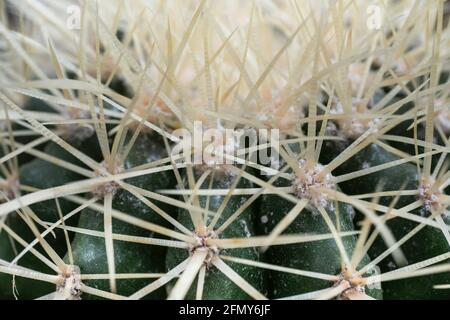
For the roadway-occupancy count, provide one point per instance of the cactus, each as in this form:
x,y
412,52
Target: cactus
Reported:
x,y
224,150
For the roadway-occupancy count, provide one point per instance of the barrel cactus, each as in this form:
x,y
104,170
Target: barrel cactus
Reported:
x,y
224,150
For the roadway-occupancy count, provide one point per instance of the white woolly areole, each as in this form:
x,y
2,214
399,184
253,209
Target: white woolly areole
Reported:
x,y
201,244
353,127
306,187
352,281
273,114
69,286
9,189
433,200
159,110
443,119
108,187
215,151
76,132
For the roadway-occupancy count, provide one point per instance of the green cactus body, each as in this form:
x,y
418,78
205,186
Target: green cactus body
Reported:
x,y
217,286
6,253
319,256
35,105
42,174
25,288
89,252
427,243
